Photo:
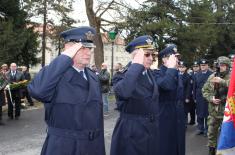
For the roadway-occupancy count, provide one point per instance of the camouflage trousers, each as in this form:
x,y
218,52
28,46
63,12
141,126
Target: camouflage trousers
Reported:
x,y
214,125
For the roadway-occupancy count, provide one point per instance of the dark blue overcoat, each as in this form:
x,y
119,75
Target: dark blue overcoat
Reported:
x,y
136,129
186,79
172,118
201,102
73,109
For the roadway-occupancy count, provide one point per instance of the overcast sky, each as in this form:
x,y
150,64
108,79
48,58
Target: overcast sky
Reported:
x,y
79,12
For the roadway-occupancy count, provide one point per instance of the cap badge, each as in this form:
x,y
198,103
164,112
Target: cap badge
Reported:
x,y
175,50
149,41
89,35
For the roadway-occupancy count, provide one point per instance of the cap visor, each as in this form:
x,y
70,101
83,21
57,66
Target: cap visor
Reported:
x,y
89,45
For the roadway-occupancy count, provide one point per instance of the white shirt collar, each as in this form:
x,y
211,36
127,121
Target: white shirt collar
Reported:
x,y
78,70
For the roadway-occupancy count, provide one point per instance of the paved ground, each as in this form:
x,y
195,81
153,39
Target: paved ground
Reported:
x,y
26,136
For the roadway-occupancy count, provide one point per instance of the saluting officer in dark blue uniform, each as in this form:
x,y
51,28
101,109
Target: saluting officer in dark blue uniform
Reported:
x,y
192,108
171,111
187,89
201,103
72,98
136,129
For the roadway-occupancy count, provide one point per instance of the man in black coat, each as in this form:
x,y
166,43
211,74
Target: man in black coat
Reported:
x,y
186,88
192,109
14,96
104,78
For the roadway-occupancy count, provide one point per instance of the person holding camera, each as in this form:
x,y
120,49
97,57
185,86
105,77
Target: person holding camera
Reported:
x,y
215,91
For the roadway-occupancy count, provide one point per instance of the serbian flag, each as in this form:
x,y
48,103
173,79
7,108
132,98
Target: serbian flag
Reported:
x,y
226,143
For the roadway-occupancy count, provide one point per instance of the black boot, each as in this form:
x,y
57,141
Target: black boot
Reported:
x,y
211,151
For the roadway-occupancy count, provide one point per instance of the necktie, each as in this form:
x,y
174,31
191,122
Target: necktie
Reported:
x,y
147,77
83,74
13,76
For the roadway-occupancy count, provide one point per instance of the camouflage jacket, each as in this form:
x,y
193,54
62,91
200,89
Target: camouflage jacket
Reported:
x,y
208,91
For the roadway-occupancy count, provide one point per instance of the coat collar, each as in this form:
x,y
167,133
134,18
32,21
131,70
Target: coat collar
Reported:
x,y
74,77
155,87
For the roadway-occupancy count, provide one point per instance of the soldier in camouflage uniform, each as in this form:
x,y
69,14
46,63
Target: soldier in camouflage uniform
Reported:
x,y
215,91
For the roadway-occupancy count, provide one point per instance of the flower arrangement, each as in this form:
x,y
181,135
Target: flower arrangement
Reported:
x,y
19,85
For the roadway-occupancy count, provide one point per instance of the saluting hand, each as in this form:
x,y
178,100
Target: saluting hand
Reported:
x,y
172,61
72,50
139,57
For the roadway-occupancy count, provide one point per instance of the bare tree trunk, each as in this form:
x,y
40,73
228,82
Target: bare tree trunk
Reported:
x,y
44,32
96,23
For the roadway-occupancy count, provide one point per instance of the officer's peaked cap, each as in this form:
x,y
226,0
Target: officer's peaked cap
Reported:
x,y
144,42
195,63
170,49
204,61
182,63
83,34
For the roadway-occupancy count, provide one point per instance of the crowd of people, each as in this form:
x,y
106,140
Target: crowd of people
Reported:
x,y
153,103
12,97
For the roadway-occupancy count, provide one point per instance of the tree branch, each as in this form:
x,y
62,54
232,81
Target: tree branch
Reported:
x,y
108,7
107,21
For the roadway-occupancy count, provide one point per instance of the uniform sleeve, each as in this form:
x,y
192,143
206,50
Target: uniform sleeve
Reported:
x,y
167,81
208,90
225,83
44,84
125,85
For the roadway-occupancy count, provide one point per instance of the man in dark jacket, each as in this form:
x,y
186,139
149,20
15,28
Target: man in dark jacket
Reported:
x,y
104,78
136,130
171,115
186,88
71,95
14,96
117,72
192,107
27,76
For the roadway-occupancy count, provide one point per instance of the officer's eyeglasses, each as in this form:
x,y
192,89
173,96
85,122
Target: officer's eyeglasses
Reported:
x,y
152,54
